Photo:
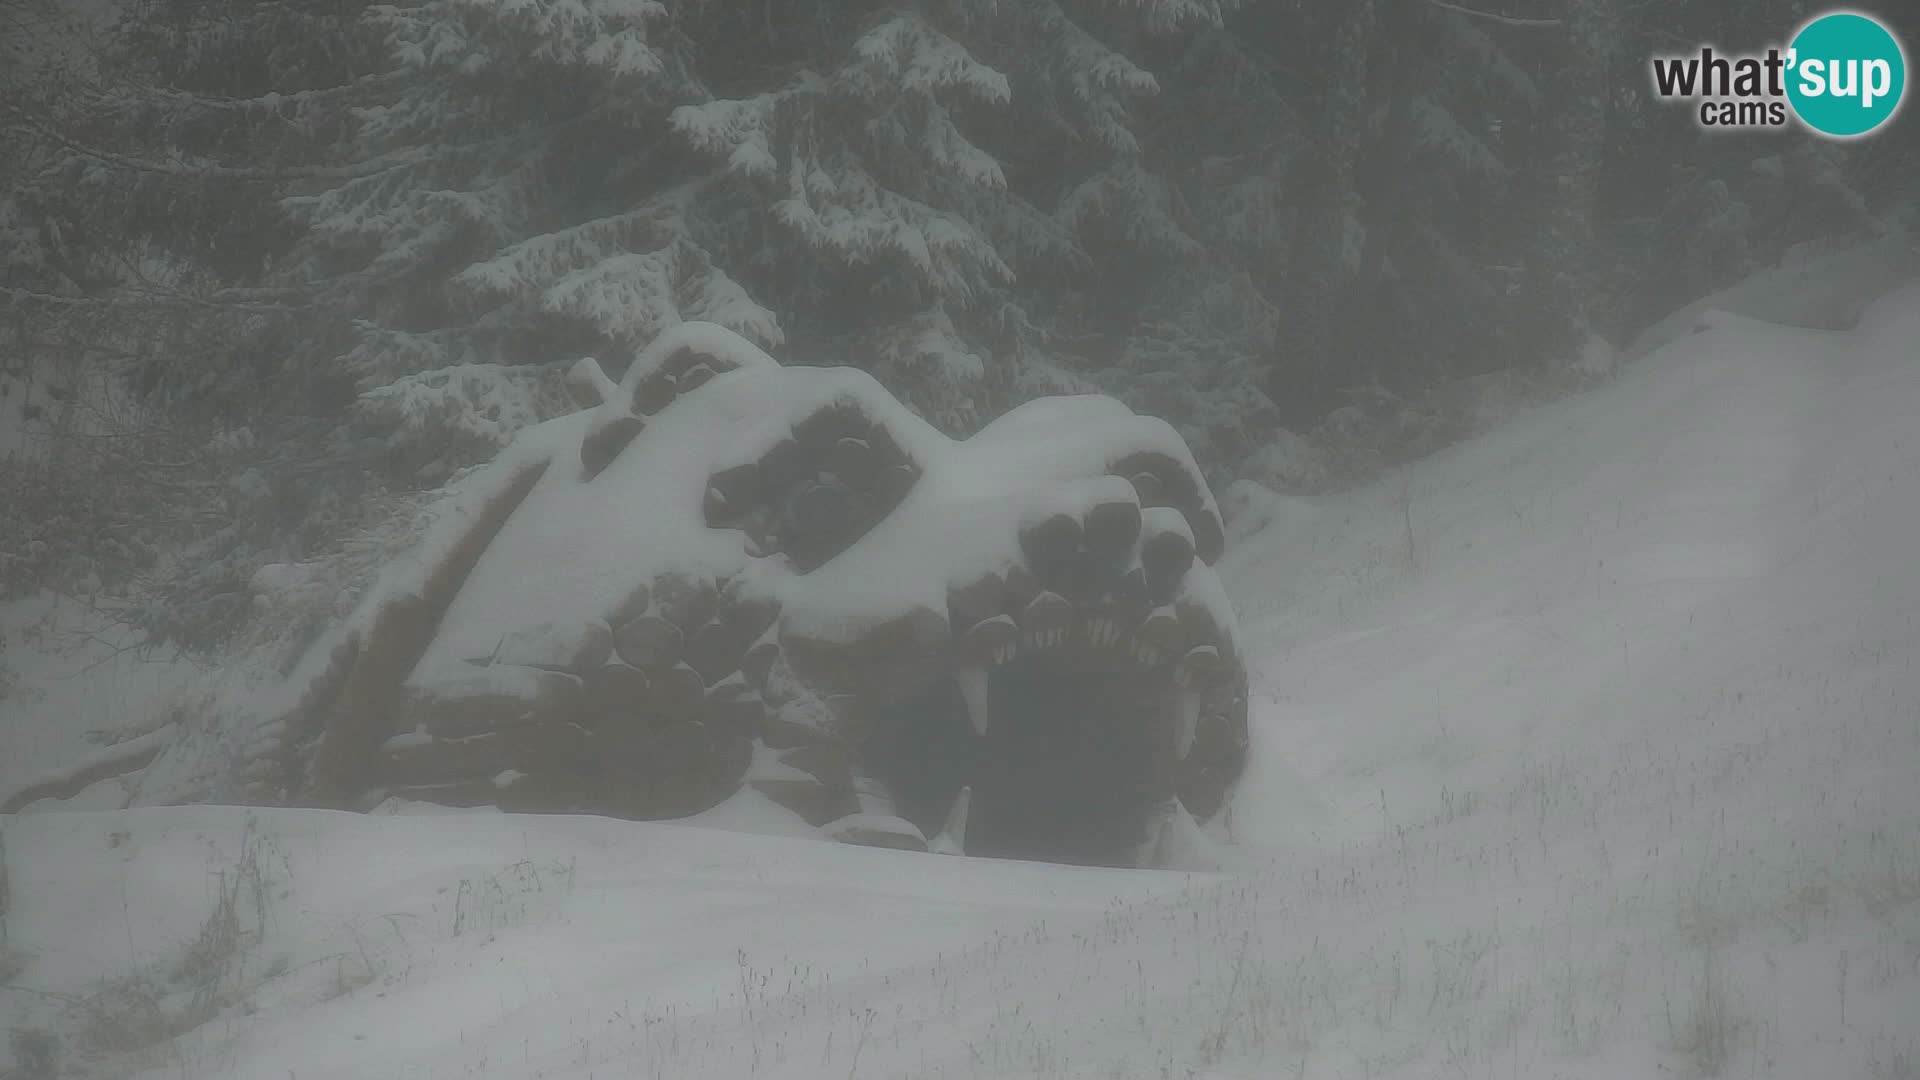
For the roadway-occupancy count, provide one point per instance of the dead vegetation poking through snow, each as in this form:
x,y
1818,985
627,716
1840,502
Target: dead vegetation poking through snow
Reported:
x,y
135,1020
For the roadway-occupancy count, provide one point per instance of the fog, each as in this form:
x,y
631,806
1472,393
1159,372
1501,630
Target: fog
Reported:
x,y
952,538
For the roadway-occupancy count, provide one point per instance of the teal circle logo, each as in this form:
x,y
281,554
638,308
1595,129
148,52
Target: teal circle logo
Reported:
x,y
1846,74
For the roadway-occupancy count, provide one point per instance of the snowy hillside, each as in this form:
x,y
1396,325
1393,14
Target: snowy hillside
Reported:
x,y
1586,749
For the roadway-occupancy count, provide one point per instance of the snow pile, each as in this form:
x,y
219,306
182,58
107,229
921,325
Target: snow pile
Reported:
x,y
1814,288
962,520
578,546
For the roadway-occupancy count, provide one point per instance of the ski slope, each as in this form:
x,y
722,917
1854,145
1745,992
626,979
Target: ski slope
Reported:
x,y
1585,749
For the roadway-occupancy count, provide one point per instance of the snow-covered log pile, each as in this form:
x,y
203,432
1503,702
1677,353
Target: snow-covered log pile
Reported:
x,y
730,574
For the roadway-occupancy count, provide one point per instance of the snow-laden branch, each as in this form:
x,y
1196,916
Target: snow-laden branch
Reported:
x,y
193,167
225,299
1508,20
117,760
274,100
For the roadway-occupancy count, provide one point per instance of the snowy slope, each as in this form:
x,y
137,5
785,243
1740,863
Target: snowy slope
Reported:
x,y
1614,715
1586,749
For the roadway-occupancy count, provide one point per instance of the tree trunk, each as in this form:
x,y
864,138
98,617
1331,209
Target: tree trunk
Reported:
x,y
1373,337
1305,375
1561,264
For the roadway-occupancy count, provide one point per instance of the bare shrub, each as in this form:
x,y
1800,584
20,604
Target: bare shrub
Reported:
x,y
135,1018
1708,1033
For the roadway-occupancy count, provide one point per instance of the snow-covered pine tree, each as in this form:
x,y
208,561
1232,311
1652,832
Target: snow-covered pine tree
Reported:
x,y
915,188
944,184
1322,254
1429,299
1561,268
1415,240
50,273
153,143
1185,235
514,200
856,162
157,140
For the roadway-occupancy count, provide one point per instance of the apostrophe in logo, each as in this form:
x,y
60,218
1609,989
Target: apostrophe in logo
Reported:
x,y
1843,76
1847,74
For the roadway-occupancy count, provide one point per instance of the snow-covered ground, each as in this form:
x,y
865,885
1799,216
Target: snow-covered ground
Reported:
x,y
1590,748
